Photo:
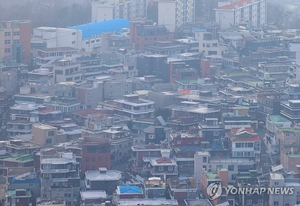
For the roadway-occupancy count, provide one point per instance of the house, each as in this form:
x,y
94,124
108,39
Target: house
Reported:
x,y
211,129
19,197
129,192
182,188
244,143
155,134
102,179
290,110
92,197
230,120
19,147
154,188
25,160
163,167
46,135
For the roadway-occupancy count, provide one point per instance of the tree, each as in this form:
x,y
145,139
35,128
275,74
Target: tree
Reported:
x,y
164,113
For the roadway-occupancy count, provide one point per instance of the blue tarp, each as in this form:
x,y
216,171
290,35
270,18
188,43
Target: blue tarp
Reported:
x,y
96,28
130,189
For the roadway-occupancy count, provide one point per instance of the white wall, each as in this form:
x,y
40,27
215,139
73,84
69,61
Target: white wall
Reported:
x,y
166,14
225,18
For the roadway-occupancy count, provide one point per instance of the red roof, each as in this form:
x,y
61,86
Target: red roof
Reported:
x,y
163,160
248,129
250,139
235,4
46,111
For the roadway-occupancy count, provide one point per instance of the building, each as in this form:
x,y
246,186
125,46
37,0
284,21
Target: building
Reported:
x,y
116,43
278,180
274,122
251,12
155,134
182,188
16,41
131,106
55,37
154,188
144,35
204,160
182,71
67,70
19,197
210,45
163,167
96,153
48,57
111,9
89,95
230,120
92,197
175,14
129,192
60,178
17,161
244,144
27,180
19,147
102,179
152,202
290,110
277,71
46,135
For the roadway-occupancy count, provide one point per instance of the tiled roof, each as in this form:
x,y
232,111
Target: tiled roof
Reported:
x,y
163,160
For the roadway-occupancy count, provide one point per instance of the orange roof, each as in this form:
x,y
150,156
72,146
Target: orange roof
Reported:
x,y
235,4
163,160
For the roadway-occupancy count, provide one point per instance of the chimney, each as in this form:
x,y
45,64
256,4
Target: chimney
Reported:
x,y
102,170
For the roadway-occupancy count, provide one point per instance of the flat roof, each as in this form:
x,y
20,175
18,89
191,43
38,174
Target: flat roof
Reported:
x,y
278,118
152,202
92,195
109,175
57,161
21,159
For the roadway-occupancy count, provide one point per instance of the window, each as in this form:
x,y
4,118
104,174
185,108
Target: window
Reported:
x,y
178,141
16,33
260,201
73,33
87,159
6,50
7,42
216,133
48,141
160,168
16,41
151,136
93,159
161,192
276,183
219,166
73,42
276,203
230,167
204,159
7,33
30,185
196,142
50,133
249,202
170,168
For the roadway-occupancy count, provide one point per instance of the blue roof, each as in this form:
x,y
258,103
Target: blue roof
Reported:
x,y
15,181
130,189
96,28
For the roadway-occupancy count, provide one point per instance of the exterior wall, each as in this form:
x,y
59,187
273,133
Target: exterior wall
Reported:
x,y
156,193
117,89
74,76
131,196
108,186
34,187
167,14
40,135
25,41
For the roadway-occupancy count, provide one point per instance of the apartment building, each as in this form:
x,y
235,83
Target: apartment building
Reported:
x,y
242,11
46,135
131,106
96,153
290,110
67,70
110,9
277,71
47,58
60,178
175,13
16,41
18,197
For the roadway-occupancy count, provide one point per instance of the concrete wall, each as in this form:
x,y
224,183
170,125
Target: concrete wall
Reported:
x,y
166,14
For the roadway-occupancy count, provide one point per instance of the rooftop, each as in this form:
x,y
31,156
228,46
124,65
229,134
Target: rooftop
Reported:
x,y
12,192
109,175
277,119
162,161
20,159
148,202
154,182
236,4
128,189
92,195
97,28
182,183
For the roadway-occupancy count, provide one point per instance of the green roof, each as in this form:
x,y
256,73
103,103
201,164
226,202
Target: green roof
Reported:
x,y
292,129
21,159
212,175
246,175
277,118
188,81
12,192
294,155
